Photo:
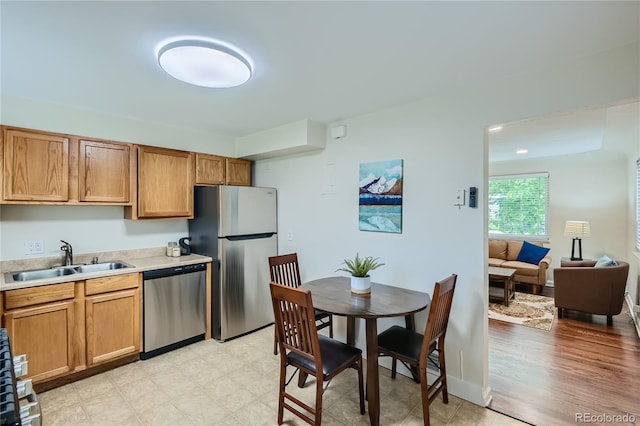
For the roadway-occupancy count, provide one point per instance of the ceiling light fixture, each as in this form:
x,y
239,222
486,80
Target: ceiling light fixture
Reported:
x,y
522,151
495,129
204,62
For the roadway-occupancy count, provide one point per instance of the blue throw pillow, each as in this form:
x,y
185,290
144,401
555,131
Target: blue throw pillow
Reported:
x,y
531,253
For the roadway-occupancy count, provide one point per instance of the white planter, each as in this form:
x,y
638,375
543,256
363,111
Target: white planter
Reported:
x,y
361,285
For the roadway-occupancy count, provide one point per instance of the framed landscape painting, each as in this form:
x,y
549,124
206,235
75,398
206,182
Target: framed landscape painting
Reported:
x,y
380,198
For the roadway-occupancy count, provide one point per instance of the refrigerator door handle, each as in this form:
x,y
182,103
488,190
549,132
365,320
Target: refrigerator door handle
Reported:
x,y
250,237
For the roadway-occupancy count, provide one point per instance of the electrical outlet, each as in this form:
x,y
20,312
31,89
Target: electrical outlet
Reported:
x,y
33,247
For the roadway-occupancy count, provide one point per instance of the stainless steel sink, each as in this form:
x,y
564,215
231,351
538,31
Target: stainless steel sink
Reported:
x,y
104,266
39,274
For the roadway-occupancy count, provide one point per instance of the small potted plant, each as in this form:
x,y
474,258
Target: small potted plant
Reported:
x,y
359,269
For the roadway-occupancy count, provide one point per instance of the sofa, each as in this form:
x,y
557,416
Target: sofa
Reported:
x,y
504,254
592,289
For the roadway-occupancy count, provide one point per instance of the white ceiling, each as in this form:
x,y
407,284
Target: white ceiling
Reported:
x,y
324,61
612,129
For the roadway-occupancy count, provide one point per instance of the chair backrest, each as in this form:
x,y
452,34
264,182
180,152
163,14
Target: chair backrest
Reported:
x,y
284,270
591,289
295,322
439,310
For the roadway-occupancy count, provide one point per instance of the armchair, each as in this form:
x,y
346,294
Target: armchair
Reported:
x,y
589,289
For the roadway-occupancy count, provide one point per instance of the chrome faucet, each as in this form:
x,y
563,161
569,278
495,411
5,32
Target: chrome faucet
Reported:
x,y
68,253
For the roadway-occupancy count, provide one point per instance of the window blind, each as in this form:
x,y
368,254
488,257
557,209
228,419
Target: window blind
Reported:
x,y
518,206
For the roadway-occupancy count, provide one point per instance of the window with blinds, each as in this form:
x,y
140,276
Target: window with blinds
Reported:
x,y
519,206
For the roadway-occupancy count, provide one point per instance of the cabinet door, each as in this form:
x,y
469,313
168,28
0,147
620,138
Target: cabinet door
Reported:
x,y
36,166
113,322
45,334
165,183
238,172
104,172
210,169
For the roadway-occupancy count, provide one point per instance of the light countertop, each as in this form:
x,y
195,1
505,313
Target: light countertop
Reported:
x,y
145,262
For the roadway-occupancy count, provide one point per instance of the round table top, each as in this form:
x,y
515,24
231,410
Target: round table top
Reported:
x,y
333,295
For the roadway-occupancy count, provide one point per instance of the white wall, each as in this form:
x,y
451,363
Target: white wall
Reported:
x,y
588,186
90,228
599,187
64,119
442,142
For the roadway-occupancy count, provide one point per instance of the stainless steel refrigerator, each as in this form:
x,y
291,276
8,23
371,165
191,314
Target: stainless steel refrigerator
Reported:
x,y
237,227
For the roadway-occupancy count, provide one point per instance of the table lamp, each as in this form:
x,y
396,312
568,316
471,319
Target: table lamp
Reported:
x,y
576,229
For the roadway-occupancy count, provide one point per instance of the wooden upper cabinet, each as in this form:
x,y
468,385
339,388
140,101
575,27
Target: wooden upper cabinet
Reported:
x,y
104,172
165,183
35,166
238,172
210,169
217,170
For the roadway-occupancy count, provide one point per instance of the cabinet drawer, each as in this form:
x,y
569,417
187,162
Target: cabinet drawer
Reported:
x,y
113,283
36,295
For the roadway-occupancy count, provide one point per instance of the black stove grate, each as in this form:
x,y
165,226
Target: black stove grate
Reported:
x,y
9,403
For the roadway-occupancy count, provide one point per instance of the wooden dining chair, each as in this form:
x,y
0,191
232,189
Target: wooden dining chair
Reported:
x,y
416,350
302,348
284,269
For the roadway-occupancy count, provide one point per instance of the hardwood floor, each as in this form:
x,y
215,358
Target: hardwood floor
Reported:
x,y
580,367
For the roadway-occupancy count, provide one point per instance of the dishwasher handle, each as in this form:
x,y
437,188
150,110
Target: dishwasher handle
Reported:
x,y
175,270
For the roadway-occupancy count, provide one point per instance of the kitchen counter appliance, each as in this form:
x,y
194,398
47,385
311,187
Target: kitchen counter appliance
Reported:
x,y
236,226
174,308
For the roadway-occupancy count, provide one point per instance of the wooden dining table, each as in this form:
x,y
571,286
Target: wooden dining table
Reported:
x,y
333,295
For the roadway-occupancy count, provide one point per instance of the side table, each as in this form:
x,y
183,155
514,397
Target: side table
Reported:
x,y
507,290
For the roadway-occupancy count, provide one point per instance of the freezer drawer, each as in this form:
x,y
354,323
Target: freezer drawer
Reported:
x,y
241,299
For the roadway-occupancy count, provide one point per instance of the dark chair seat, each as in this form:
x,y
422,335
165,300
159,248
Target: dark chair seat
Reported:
x,y
320,315
336,356
402,343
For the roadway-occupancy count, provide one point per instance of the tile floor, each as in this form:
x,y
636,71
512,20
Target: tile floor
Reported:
x,y
235,383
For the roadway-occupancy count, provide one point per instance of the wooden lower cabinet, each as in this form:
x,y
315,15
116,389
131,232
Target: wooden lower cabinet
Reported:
x,y
45,333
70,327
113,325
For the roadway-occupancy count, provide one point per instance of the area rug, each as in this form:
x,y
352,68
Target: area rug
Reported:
x,y
525,309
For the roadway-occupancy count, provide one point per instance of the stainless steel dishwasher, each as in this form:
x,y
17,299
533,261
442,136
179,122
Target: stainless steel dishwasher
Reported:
x,y
174,308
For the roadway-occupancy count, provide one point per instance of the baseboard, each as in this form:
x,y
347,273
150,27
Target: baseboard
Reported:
x,y
468,391
632,311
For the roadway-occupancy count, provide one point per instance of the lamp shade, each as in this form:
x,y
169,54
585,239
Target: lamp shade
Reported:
x,y
577,228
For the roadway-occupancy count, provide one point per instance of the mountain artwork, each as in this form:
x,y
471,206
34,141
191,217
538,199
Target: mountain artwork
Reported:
x,y
380,197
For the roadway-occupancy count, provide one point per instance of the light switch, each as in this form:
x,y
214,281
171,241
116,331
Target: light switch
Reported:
x,y
460,197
